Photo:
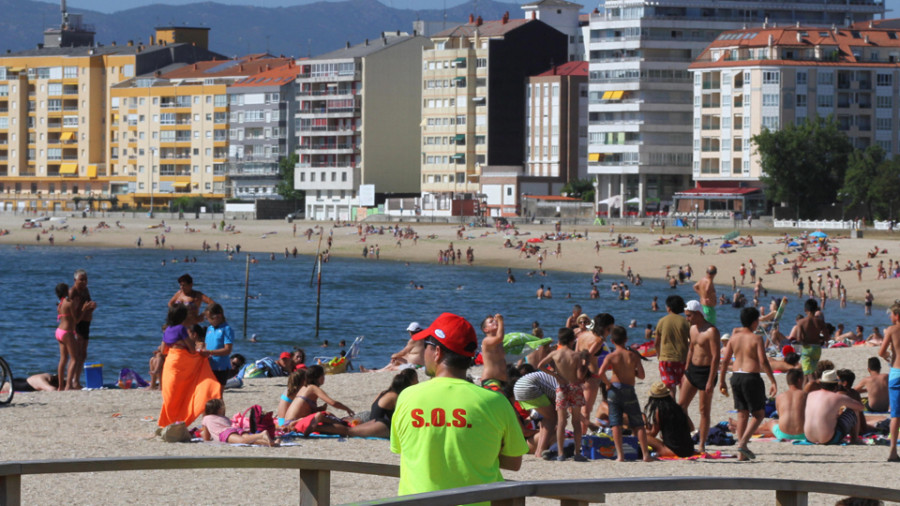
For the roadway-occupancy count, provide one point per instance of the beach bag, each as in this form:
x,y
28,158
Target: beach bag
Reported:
x,y
130,379
254,420
176,432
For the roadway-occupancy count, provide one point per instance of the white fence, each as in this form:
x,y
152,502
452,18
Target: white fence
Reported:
x,y
831,224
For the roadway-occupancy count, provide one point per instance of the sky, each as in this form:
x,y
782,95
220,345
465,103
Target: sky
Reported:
x,y
108,6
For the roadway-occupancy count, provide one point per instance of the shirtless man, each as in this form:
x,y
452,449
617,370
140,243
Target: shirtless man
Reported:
x,y
493,377
592,343
791,406
412,355
809,333
876,384
706,291
192,299
831,415
572,321
890,351
703,364
749,390
540,292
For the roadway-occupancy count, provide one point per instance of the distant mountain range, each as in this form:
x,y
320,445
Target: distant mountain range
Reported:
x,y
299,31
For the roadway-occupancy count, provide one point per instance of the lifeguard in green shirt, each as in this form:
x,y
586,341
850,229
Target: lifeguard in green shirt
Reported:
x,y
449,432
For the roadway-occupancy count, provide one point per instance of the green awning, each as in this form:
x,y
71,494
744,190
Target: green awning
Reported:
x,y
459,78
460,137
458,156
461,59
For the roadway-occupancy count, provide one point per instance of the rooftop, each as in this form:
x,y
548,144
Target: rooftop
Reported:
x,y
572,68
275,77
244,66
486,29
364,49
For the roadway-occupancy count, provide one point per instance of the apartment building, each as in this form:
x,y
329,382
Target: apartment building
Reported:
x,y
262,107
169,130
556,129
641,93
473,106
53,114
750,80
358,121
565,17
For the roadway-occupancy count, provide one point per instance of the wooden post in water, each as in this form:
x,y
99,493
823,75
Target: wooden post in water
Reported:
x,y
318,290
246,293
312,275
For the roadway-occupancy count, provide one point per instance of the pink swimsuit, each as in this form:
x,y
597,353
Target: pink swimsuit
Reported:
x,y
60,333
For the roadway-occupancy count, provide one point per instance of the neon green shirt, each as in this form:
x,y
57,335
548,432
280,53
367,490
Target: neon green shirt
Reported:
x,y
450,433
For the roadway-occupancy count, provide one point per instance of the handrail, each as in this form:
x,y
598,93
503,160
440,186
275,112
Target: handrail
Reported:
x,y
315,474
787,492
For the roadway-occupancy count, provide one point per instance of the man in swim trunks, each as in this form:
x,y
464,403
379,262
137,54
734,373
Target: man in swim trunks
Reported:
x,y
831,415
791,407
809,332
702,366
706,290
493,376
749,390
890,351
412,355
570,369
673,334
84,308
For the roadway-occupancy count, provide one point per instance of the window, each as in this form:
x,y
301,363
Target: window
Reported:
x,y
824,100
883,101
770,99
881,80
801,100
825,77
771,77
883,124
801,78
770,122
885,145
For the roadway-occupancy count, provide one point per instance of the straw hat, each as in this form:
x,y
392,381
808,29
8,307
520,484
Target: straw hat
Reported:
x,y
659,390
829,377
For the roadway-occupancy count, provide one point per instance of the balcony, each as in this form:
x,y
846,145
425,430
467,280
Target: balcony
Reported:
x,y
330,92
326,130
328,148
335,112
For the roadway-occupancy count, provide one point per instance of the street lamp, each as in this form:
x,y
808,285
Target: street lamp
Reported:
x,y
596,185
696,216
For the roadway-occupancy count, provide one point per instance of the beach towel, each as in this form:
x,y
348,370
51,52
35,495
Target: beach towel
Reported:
x,y
716,455
187,384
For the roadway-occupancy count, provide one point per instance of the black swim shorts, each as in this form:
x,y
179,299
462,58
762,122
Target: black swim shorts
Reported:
x,y
83,330
749,391
697,375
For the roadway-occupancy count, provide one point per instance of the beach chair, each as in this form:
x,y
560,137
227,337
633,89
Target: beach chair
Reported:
x,y
338,364
766,329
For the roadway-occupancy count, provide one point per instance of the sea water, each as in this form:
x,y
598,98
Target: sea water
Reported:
x,y
359,297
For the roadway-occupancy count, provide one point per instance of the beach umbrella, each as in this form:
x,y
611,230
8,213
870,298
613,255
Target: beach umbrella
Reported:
x,y
819,234
535,239
731,235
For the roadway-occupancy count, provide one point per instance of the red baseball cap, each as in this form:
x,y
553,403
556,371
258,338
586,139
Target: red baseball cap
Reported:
x,y
284,355
452,331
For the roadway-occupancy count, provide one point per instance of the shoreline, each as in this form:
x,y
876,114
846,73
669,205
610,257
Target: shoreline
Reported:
x,y
647,259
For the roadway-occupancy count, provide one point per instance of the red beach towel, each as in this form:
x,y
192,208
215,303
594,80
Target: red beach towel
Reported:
x,y
187,384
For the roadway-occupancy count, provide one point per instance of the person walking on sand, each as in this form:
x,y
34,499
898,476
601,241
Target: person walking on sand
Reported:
x,y
702,367
750,358
890,351
476,431
493,376
673,334
570,369
625,366
706,290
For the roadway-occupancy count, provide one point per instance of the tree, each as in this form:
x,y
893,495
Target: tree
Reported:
x,y
859,181
887,189
285,187
803,165
582,188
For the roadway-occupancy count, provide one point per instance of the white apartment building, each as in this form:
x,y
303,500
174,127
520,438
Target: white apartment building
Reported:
x,y
358,119
749,80
641,93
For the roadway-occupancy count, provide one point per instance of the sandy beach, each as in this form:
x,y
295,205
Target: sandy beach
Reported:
x,y
105,423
